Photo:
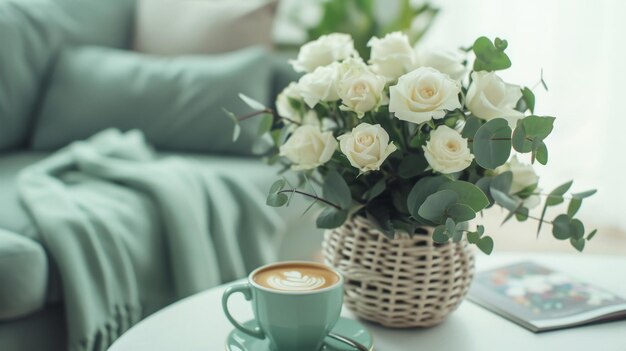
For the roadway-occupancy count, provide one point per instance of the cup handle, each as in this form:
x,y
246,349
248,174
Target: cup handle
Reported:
x,y
245,289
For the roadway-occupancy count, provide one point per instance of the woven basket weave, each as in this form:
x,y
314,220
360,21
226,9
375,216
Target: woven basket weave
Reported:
x,y
402,282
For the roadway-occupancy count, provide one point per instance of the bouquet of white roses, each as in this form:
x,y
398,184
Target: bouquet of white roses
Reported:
x,y
413,138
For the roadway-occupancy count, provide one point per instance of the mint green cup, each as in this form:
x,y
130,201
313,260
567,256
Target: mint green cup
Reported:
x,y
290,320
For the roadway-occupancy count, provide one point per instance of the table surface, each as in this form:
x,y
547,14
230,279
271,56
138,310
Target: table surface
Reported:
x,y
197,322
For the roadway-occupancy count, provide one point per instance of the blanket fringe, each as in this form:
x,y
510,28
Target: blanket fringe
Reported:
x,y
123,318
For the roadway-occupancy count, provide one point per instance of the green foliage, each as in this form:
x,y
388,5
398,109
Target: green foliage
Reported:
x,y
420,191
405,193
471,126
460,212
492,143
412,165
255,105
485,244
527,101
275,198
379,213
468,194
435,206
331,218
359,18
237,126
577,200
440,234
336,190
490,56
378,188
529,135
554,198
265,126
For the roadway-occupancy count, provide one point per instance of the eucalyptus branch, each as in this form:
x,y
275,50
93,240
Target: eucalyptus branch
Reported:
x,y
314,197
267,110
529,216
471,140
553,196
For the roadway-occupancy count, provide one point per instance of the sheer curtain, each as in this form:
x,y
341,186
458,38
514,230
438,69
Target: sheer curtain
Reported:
x,y
581,47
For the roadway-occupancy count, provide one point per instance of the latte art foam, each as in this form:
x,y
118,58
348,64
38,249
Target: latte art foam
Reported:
x,y
296,277
295,281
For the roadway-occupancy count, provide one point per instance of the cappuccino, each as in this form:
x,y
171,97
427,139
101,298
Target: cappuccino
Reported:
x,y
296,277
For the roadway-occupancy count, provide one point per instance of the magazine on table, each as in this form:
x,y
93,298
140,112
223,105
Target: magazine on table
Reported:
x,y
541,299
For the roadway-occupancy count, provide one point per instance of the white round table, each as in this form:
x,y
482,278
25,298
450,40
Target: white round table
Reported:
x,y
197,322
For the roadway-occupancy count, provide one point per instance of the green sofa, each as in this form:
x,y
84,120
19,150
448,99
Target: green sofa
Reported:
x,y
39,38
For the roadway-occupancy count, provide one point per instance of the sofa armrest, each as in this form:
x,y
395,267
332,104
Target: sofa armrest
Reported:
x,y
23,275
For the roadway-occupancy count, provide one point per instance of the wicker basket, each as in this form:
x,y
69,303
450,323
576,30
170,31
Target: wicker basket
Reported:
x,y
400,283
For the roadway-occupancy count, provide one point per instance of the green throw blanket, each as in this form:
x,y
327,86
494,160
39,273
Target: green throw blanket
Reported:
x,y
130,233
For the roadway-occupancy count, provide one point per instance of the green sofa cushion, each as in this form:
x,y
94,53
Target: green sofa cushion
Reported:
x,y
24,275
32,32
177,102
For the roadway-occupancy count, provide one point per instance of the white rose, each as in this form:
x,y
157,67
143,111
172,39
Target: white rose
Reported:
x,y
284,106
490,97
423,94
392,55
323,51
445,61
447,151
320,85
366,147
524,174
308,147
360,89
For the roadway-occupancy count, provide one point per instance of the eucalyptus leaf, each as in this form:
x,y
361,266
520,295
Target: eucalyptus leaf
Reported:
x,y
488,56
277,186
277,199
538,127
440,235
255,105
529,99
592,234
237,127
485,244
584,194
554,198
492,143
473,237
578,244
505,200
420,191
522,214
461,212
265,124
435,205
472,123
541,154
484,184
574,206
331,218
336,190
561,227
450,226
468,193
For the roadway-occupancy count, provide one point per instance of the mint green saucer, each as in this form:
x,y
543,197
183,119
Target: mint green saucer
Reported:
x,y
239,341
